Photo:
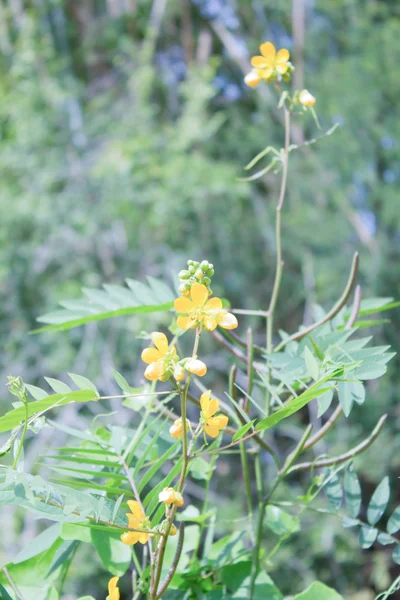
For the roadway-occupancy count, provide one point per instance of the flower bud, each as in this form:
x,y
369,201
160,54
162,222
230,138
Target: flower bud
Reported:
x,y
184,274
173,530
199,274
192,269
306,98
170,496
179,373
195,366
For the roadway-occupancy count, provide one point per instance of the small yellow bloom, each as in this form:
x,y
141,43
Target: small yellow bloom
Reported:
x,y
269,65
113,591
136,520
209,406
161,360
306,98
173,531
170,496
176,429
197,367
199,310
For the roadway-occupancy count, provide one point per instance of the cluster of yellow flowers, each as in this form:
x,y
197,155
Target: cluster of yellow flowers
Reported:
x,y
162,360
272,66
212,425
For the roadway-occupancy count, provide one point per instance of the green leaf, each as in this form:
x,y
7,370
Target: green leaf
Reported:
x,y
334,492
234,575
115,555
311,364
318,591
280,521
58,386
324,402
113,301
352,492
4,595
14,417
264,589
36,392
200,468
39,544
393,525
63,555
122,382
74,531
368,536
385,539
396,555
241,432
83,383
379,501
295,405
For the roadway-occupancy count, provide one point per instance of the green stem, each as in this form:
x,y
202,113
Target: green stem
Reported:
x,y
279,264
25,429
160,550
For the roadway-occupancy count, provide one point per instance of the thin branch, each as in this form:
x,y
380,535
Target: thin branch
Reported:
x,y
334,310
137,395
338,411
347,455
175,562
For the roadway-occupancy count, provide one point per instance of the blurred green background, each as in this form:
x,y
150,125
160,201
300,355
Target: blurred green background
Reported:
x,y
125,125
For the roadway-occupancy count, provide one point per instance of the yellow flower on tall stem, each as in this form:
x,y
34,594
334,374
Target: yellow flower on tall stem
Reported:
x,y
209,406
136,520
269,65
113,591
162,360
200,310
176,429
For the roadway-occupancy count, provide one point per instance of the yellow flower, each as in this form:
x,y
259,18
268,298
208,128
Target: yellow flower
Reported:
x,y
195,366
306,98
199,310
113,591
209,406
170,496
175,430
162,360
173,531
136,520
268,65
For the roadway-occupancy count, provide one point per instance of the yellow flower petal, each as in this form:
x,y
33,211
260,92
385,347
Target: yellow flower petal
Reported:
x,y
268,51
199,294
154,371
212,408
210,322
186,322
259,62
196,366
130,537
113,591
213,304
136,509
183,305
220,422
228,321
151,355
281,68
283,55
143,537
160,341
205,400
252,79
267,72
133,521
211,431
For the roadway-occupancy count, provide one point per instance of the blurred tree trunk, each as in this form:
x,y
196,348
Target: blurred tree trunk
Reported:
x,y
298,28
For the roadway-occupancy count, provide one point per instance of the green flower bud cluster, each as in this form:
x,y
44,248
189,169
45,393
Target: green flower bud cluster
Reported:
x,y
196,272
